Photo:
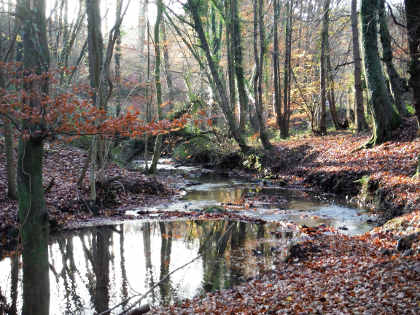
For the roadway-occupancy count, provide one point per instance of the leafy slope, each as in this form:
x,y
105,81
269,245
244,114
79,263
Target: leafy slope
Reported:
x,y
334,163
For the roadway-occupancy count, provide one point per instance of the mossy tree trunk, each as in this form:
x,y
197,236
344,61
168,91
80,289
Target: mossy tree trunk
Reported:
x,y
33,214
412,8
259,54
359,111
158,85
238,58
385,116
193,7
387,57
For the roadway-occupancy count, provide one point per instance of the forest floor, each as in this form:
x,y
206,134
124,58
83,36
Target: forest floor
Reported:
x,y
332,274
336,164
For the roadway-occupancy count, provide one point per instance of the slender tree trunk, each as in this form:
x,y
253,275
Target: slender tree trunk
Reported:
x,y
385,117
10,159
322,128
330,78
239,70
259,61
394,77
142,27
33,214
96,58
331,95
360,120
158,85
9,150
118,60
284,128
221,95
276,65
229,52
167,63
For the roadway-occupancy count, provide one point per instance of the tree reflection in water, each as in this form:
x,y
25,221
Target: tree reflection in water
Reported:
x,y
94,269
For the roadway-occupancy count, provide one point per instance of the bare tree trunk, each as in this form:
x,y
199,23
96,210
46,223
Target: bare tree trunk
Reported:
x,y
385,117
259,61
118,60
276,65
221,95
229,52
284,128
9,150
142,27
167,68
331,95
322,127
158,85
10,159
360,120
96,59
33,214
387,57
412,10
239,70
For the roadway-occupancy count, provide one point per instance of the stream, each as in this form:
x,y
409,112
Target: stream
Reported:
x,y
94,269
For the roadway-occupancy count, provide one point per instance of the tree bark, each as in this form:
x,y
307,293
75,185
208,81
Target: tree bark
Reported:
x,y
339,125
33,214
10,159
239,69
259,62
322,127
167,63
385,116
142,27
360,120
158,85
412,10
229,53
387,57
222,98
284,128
276,65
118,60
96,63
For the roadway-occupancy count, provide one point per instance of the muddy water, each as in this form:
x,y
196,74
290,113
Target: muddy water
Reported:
x,y
94,269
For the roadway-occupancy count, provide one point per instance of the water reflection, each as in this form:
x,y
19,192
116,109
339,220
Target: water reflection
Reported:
x,y
92,270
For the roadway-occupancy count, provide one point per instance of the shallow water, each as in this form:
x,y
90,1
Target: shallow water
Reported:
x,y
94,269
271,204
